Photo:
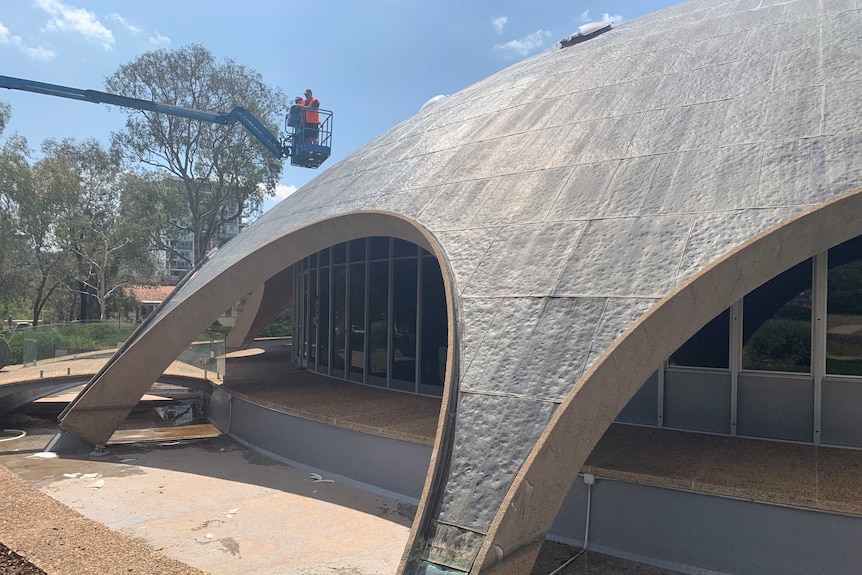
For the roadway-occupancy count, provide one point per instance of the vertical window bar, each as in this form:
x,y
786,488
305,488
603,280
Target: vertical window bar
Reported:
x,y
366,321
820,270
417,376
295,323
306,317
346,336
735,360
329,340
390,310
315,312
660,397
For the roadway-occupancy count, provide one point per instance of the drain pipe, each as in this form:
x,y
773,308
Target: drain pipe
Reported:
x,y
589,480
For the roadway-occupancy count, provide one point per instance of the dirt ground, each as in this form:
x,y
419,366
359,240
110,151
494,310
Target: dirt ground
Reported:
x,y
13,564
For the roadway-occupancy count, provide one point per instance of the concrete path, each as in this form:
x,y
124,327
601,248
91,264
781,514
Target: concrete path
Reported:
x,y
221,507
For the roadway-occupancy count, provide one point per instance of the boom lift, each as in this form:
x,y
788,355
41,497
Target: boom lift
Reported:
x,y
302,151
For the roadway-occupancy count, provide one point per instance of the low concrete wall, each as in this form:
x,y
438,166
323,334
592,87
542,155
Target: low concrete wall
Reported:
x,y
394,466
698,533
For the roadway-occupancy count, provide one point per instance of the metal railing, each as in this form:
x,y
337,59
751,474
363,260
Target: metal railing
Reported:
x,y
54,342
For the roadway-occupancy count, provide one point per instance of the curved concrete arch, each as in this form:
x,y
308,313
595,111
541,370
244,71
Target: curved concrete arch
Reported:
x,y
218,284
532,502
263,304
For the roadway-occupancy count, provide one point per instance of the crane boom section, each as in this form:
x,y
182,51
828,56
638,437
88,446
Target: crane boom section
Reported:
x,y
237,115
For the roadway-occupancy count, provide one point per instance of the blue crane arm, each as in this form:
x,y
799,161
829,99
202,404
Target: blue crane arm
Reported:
x,y
238,114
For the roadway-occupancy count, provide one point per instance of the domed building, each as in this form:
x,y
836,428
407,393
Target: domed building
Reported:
x,y
658,226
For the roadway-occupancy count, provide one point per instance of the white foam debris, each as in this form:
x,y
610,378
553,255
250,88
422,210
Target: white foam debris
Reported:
x,y
43,455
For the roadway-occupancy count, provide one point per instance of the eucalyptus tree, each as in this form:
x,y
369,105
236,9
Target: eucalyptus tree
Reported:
x,y
109,249
46,192
222,171
15,182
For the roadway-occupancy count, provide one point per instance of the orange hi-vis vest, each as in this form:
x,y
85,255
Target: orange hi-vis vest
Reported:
x,y
311,115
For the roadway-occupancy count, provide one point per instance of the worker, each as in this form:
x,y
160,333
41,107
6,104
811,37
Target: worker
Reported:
x,y
312,118
294,115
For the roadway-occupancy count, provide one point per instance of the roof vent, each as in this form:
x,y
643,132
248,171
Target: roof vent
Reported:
x,y
586,32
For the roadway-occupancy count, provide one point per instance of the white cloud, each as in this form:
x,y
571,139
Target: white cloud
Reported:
x,y
282,191
9,39
65,18
125,23
607,18
159,40
499,23
525,45
38,53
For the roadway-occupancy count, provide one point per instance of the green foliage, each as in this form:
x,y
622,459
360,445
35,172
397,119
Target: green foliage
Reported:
x,y
5,113
70,338
843,366
222,171
780,345
218,328
794,313
276,329
5,353
845,289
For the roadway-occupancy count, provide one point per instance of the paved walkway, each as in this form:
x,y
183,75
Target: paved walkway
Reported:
x,y
212,504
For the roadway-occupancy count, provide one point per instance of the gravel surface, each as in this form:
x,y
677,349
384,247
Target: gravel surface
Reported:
x,y
60,541
13,564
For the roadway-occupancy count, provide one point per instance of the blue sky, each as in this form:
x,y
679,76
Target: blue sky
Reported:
x,y
373,62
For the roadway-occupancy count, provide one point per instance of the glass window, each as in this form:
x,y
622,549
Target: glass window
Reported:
x,y
776,323
844,309
404,309
312,317
402,248
356,290
373,318
339,318
339,253
357,250
378,248
434,325
324,329
709,347
378,319
302,318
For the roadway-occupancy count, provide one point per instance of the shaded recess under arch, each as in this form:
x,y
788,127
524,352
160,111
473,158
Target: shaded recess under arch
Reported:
x,y
243,266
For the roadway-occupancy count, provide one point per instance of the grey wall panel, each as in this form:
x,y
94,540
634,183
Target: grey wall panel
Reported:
x,y
570,524
643,407
775,406
699,401
217,408
391,464
695,532
841,419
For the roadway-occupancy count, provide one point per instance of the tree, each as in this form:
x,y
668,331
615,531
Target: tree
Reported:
x,y
109,250
50,187
14,182
223,171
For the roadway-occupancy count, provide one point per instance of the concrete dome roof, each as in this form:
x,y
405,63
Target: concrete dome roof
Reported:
x,y
637,183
